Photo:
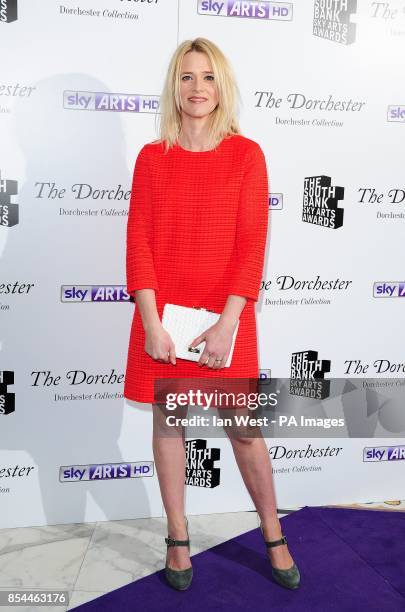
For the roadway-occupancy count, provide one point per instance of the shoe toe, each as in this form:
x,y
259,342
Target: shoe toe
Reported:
x,y
179,579
289,578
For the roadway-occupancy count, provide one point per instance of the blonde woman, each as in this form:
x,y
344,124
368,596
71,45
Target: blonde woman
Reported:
x,y
196,236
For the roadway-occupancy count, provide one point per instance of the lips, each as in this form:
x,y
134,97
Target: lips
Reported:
x,y
196,99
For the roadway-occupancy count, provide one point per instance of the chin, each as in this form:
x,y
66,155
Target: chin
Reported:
x,y
199,112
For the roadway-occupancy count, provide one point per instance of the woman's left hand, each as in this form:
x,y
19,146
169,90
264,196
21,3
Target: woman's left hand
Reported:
x,y
218,342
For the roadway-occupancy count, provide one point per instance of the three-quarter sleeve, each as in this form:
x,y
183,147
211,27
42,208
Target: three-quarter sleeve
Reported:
x,y
140,269
251,231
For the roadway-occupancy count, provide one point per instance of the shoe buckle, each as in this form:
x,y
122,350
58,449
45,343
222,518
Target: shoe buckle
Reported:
x,y
170,541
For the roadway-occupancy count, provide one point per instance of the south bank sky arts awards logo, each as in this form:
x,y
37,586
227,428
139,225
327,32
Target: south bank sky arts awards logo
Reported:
x,y
7,398
8,11
332,20
308,375
320,202
8,210
248,9
306,365
200,468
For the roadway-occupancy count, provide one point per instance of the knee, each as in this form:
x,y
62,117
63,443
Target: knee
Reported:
x,y
162,427
241,440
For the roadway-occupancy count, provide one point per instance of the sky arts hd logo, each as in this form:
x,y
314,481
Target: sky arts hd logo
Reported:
x,y
115,102
384,453
105,471
276,201
320,202
94,293
8,211
7,399
249,9
265,375
8,11
396,112
332,20
389,289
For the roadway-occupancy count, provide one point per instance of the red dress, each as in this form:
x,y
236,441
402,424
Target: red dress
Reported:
x,y
196,232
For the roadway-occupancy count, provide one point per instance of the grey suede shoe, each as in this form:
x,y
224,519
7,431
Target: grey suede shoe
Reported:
x,y
179,579
290,577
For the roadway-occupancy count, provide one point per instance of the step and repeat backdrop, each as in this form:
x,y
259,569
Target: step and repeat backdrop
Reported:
x,y
322,91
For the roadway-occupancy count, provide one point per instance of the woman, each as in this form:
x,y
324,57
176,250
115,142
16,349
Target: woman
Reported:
x,y
196,236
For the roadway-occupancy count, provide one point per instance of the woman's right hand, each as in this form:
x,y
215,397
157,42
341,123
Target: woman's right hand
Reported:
x,y
159,344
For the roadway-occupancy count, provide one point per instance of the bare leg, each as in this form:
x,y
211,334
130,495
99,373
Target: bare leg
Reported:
x,y
254,464
169,454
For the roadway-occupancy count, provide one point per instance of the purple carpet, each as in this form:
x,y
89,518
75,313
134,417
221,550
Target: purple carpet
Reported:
x,y
348,560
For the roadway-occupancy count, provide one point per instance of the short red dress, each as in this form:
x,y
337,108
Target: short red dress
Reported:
x,y
196,233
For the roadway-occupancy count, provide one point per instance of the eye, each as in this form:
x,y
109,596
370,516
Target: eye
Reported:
x,y
210,77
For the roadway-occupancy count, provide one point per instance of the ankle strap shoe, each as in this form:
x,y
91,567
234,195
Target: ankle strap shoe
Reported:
x,y
178,579
290,577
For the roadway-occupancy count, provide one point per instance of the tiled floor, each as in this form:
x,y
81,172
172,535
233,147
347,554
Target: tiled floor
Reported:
x,y
90,559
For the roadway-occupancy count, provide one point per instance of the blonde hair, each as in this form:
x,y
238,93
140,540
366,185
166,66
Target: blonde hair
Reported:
x,y
223,120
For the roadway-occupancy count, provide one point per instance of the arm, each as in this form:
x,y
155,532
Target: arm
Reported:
x,y
251,232
141,277
139,259
247,258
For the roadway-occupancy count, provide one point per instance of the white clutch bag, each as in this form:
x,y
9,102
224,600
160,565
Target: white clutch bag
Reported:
x,y
185,323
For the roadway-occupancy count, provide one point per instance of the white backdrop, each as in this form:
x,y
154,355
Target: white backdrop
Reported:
x,y
64,313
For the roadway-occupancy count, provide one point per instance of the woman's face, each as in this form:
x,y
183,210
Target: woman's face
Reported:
x,y
198,91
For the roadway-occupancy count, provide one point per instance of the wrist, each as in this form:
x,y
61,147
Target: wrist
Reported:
x,y
228,321
152,324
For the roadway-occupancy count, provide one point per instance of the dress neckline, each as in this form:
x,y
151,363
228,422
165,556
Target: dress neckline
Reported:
x,y
178,146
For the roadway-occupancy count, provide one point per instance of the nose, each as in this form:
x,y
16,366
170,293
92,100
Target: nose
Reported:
x,y
198,84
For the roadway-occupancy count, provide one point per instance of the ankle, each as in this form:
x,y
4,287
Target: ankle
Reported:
x,y
271,527
177,527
